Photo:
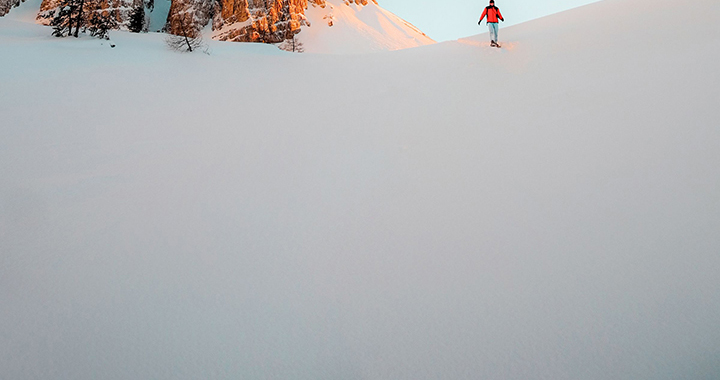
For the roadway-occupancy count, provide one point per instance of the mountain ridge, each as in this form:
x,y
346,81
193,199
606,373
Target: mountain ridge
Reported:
x,y
275,22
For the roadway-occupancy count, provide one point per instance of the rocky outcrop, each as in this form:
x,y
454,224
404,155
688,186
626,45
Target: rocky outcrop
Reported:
x,y
7,5
264,20
269,21
190,14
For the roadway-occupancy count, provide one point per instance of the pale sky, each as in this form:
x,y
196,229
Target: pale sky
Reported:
x,y
452,19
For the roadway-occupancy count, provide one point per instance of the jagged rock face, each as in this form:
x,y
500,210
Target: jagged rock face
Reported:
x,y
117,9
269,21
263,20
192,14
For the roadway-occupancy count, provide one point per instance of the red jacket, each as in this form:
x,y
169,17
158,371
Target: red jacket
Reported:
x,y
492,13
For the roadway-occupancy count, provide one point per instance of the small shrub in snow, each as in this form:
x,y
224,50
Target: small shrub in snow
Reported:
x,y
292,44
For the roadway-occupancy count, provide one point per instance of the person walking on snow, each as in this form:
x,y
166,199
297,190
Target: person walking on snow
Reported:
x,y
493,14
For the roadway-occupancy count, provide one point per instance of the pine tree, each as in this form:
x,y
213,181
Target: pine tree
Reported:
x,y
100,23
73,16
137,18
62,18
79,18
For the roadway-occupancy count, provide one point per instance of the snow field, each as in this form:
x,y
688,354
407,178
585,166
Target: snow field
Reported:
x,y
549,211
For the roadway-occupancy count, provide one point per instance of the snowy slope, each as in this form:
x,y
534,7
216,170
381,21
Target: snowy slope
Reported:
x,y
546,211
352,28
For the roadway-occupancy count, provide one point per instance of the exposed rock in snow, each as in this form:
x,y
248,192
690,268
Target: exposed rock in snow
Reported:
x,y
199,11
277,21
6,5
259,20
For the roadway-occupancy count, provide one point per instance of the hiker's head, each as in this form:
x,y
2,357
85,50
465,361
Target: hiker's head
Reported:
x,y
492,2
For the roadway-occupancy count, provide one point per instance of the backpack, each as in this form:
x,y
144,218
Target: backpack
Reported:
x,y
488,8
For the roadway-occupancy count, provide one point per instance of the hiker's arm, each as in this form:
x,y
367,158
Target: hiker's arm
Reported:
x,y
500,15
483,15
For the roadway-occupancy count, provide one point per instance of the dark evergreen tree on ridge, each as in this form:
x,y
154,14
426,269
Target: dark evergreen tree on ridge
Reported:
x,y
62,18
69,14
79,18
100,23
137,18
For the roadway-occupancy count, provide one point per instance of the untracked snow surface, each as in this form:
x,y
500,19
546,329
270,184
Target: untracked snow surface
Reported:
x,y
549,210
